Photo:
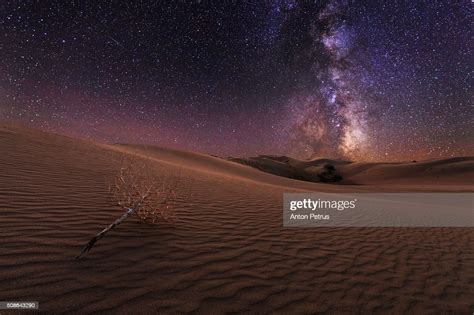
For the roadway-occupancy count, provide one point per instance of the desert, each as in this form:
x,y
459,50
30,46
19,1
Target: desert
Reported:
x,y
152,152
227,250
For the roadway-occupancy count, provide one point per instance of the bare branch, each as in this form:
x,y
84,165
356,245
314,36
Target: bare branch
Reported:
x,y
138,192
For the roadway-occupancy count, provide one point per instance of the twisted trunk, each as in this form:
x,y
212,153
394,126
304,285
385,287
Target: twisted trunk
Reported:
x,y
101,234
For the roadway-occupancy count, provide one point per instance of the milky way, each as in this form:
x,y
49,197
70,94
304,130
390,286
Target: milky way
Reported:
x,y
342,79
333,119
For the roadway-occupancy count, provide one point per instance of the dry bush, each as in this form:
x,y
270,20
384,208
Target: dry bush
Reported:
x,y
139,192
136,187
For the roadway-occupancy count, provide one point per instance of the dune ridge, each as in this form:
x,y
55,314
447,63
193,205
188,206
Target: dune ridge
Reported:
x,y
458,170
228,251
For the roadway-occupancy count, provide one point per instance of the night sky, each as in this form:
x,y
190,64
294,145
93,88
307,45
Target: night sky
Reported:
x,y
359,80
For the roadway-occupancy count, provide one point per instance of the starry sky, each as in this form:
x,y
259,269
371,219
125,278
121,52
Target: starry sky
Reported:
x,y
359,80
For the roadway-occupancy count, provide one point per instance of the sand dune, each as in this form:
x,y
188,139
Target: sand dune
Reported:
x,y
228,252
435,172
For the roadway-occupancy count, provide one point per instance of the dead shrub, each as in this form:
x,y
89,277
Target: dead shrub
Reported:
x,y
139,192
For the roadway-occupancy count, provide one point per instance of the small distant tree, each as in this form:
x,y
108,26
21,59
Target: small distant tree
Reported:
x,y
139,192
328,174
